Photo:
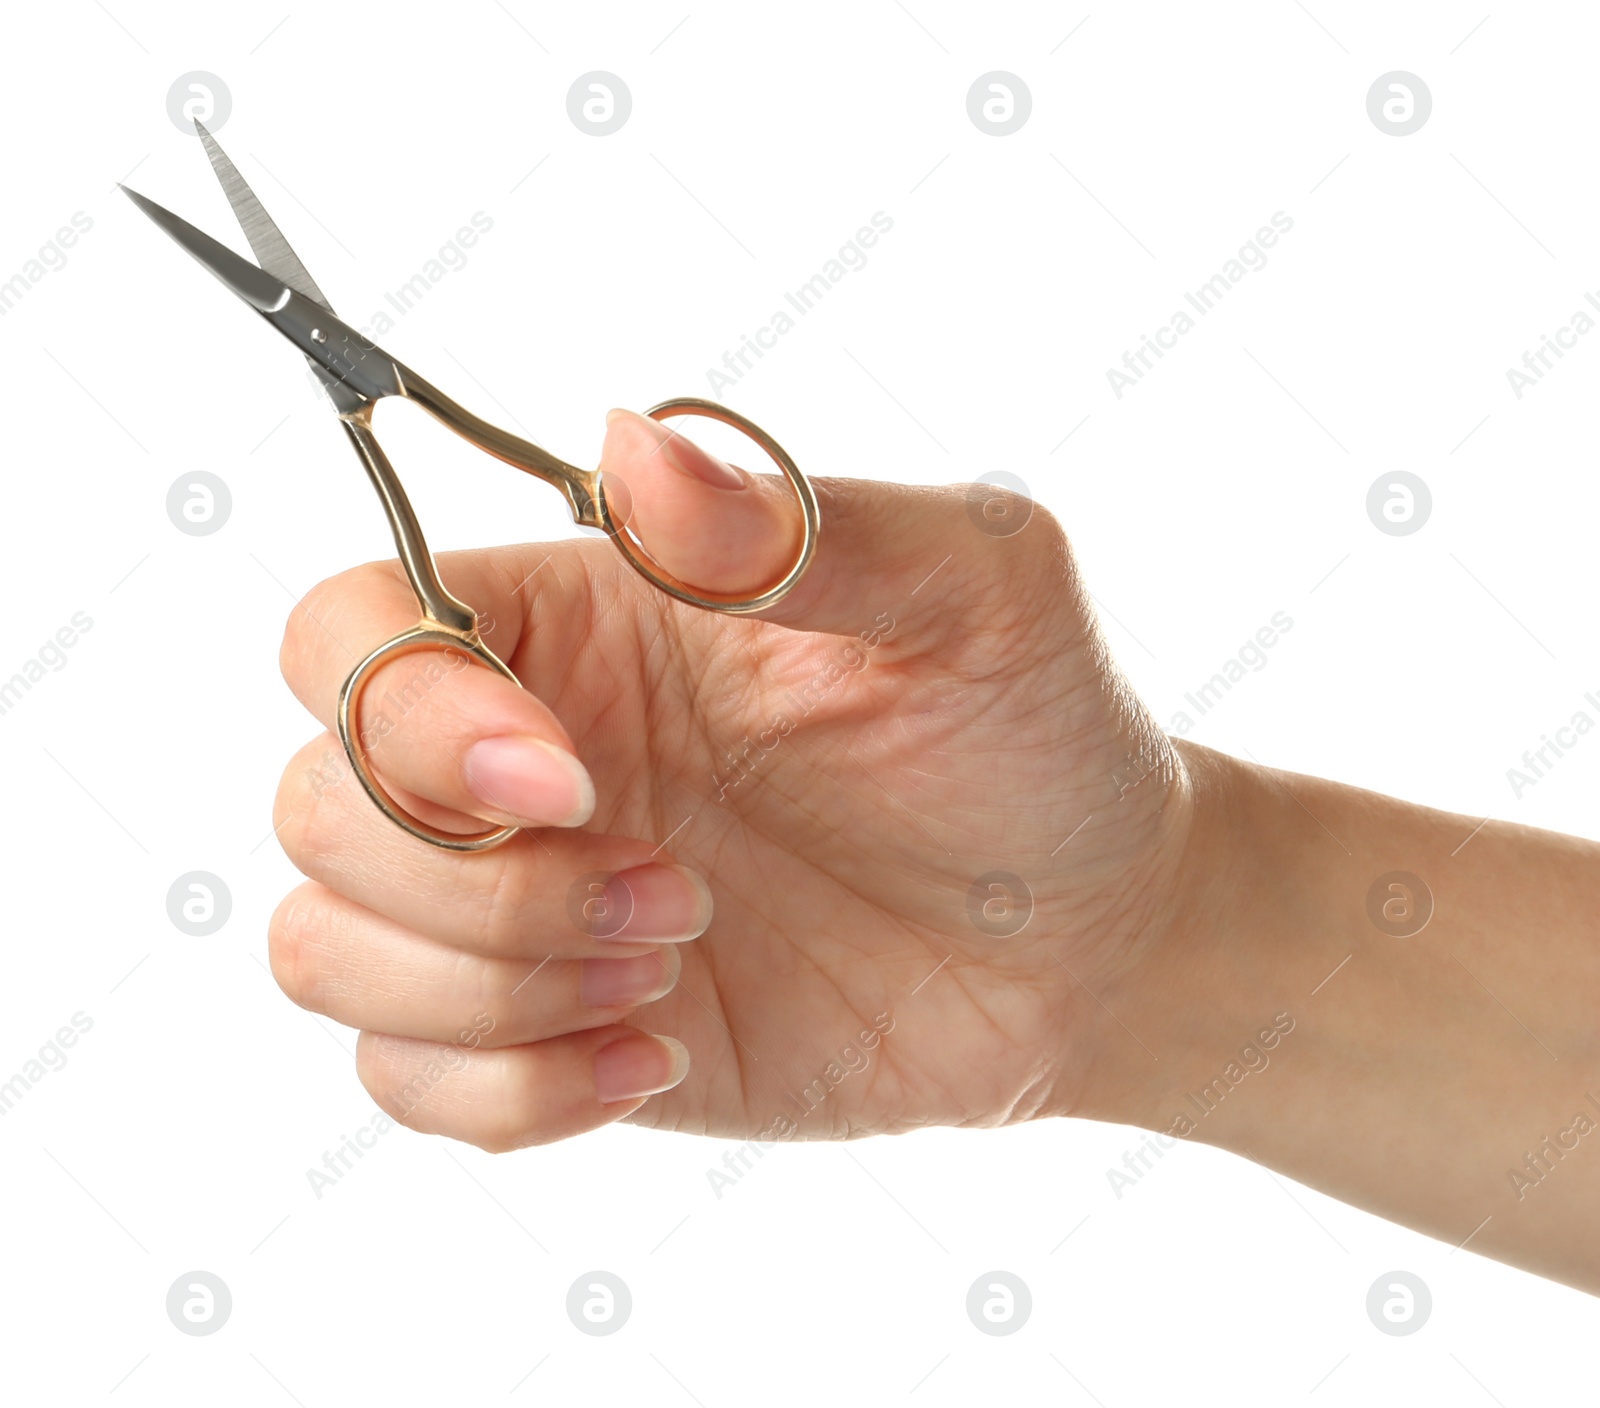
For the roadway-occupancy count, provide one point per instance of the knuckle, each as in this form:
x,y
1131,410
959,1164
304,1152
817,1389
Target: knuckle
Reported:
x,y
493,1010
315,617
298,800
299,632
504,897
1037,558
291,946
499,1140
510,1122
399,1091
498,1110
1048,550
300,810
1051,538
403,1103
1036,540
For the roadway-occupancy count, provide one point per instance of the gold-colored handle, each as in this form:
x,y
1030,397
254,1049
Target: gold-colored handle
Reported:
x,y
586,497
449,624
426,635
439,607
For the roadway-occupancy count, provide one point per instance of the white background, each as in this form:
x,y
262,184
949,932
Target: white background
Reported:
x,y
1225,487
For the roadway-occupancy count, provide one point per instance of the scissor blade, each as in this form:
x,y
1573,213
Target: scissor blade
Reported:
x,y
266,239
257,287
351,365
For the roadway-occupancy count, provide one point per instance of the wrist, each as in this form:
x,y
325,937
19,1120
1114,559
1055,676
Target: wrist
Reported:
x,y
1443,1074
1203,997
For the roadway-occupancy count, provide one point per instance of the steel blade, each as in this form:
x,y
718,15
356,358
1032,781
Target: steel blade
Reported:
x,y
266,239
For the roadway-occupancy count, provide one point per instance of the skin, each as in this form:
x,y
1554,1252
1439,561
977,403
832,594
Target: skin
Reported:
x,y
932,704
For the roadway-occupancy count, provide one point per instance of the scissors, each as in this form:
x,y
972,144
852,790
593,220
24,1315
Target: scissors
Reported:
x,y
357,374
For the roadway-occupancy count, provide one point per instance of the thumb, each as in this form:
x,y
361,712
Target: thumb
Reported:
x,y
711,525
937,561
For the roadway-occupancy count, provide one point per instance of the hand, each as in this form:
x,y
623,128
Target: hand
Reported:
x,y
789,813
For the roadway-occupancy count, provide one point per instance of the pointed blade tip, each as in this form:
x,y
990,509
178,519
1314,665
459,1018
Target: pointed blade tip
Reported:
x,y
267,241
143,202
257,287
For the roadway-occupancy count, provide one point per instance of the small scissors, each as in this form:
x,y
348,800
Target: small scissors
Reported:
x,y
357,375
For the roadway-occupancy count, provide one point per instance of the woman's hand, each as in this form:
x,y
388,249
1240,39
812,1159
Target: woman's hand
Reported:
x,y
908,851
785,863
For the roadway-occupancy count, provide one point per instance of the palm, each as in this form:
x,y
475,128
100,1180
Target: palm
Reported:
x,y
842,796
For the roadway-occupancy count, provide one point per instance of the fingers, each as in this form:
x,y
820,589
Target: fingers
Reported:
x,y
341,619
436,724
497,1014
567,893
911,561
522,1095
363,970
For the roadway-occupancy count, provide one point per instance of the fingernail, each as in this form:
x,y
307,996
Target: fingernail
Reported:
x,y
629,982
529,781
634,1066
688,458
664,904
684,455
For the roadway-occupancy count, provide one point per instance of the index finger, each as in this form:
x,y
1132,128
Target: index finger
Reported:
x,y
436,724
